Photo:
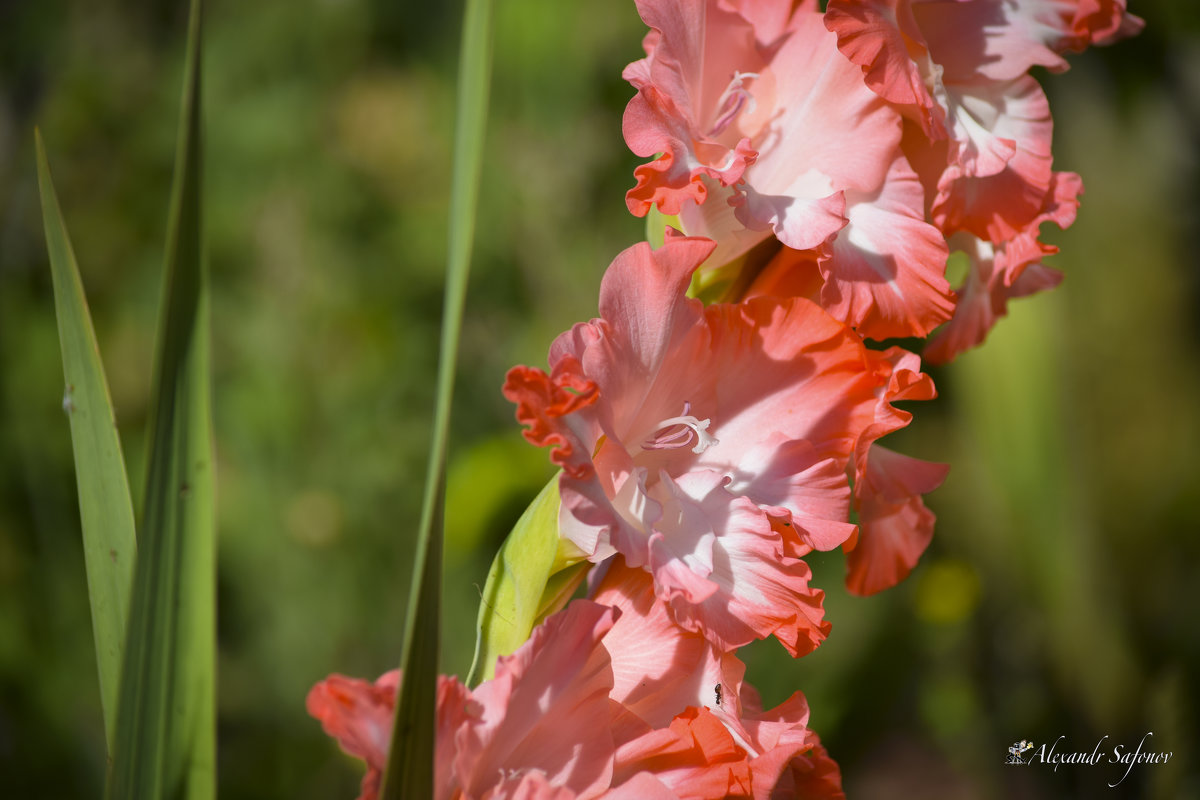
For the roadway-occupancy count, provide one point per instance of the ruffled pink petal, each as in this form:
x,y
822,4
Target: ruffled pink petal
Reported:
x,y
696,757
885,273
791,273
561,673
1103,22
1002,174
359,715
812,775
999,273
900,376
750,589
716,219
695,50
543,400
653,124
895,525
659,668
995,39
802,492
882,38
1011,38
704,754
887,488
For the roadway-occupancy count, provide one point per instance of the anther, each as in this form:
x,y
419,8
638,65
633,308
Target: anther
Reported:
x,y
681,431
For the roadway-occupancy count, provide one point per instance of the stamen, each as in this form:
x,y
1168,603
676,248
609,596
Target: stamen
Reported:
x,y
731,101
681,431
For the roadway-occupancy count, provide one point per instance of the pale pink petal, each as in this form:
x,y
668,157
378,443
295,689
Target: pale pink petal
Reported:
x,y
882,38
1002,40
831,134
808,494
1001,178
885,273
996,39
752,589
716,219
695,53
659,337
784,365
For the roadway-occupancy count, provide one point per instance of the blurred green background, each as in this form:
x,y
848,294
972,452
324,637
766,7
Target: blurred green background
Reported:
x,y
1059,597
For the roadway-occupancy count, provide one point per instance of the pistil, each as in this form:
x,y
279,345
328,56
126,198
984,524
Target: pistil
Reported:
x,y
731,102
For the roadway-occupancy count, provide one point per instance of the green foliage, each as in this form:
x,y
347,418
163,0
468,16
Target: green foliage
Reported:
x,y
530,579
329,138
105,509
166,728
409,771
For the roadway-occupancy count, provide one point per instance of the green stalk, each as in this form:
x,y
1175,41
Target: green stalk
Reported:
x,y
409,771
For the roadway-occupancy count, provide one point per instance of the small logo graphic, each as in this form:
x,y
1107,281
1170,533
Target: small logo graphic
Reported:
x,y
1016,749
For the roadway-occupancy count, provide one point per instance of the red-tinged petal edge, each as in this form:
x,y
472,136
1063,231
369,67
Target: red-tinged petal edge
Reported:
x,y
543,400
895,527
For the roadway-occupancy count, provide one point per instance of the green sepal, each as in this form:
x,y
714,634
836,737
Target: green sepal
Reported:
x,y
534,574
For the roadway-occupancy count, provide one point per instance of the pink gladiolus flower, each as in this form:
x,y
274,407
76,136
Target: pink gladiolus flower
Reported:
x,y
1002,272
713,445
788,116
556,724
723,744
959,69
754,105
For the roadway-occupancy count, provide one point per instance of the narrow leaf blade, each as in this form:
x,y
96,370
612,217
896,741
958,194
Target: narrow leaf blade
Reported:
x,y
166,725
409,769
105,507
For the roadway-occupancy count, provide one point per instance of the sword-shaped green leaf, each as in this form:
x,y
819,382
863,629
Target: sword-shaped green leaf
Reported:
x,y
409,770
105,508
165,722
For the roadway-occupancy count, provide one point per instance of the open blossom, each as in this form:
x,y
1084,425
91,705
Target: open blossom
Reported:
x,y
979,131
589,708
709,446
960,70
1001,272
765,128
